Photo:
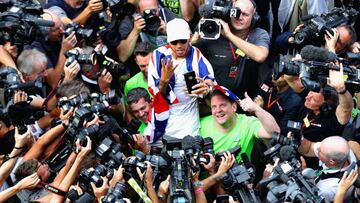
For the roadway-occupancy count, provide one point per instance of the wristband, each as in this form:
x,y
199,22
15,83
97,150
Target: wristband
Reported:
x,y
19,147
343,92
198,190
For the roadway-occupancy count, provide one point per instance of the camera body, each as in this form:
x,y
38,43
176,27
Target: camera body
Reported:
x,y
80,32
152,21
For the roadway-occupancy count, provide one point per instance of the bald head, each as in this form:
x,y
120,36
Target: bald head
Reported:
x,y
147,4
335,149
55,32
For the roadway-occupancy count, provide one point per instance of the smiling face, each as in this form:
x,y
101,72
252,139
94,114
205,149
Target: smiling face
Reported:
x,y
222,109
140,109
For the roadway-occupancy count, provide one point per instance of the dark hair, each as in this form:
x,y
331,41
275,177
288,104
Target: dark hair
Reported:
x,y
70,88
143,48
217,92
136,94
26,168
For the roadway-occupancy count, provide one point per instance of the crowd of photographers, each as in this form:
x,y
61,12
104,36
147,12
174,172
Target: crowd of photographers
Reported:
x,y
179,101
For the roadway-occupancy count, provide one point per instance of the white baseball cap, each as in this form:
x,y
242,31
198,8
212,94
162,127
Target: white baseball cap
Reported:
x,y
177,29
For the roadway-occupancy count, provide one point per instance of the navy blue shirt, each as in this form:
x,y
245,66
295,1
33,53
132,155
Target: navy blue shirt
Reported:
x,y
51,51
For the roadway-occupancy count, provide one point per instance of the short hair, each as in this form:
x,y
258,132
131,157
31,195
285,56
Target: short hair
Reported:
x,y
30,58
136,94
352,33
217,92
338,157
70,88
143,48
26,168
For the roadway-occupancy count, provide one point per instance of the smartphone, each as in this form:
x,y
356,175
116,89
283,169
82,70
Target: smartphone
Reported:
x,y
222,199
190,80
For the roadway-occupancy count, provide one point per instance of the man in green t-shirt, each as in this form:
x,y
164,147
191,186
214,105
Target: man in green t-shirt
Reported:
x,y
229,129
139,104
142,53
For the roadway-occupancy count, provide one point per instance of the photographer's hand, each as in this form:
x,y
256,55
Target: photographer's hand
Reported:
x,y
71,71
164,187
21,140
139,24
104,81
117,177
336,79
227,162
82,152
210,167
331,40
102,190
355,47
94,6
345,183
225,29
69,42
65,118
20,96
148,175
162,28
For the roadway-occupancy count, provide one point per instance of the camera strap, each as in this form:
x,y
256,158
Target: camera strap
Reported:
x,y
51,94
271,103
138,190
53,189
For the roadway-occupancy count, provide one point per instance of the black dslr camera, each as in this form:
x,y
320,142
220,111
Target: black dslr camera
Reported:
x,y
80,32
152,21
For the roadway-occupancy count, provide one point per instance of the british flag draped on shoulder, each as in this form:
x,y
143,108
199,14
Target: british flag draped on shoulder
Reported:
x,y
159,113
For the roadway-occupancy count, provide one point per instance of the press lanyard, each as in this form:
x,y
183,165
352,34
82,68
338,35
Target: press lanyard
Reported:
x,y
270,104
234,55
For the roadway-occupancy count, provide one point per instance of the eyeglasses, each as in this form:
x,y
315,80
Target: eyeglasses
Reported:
x,y
182,41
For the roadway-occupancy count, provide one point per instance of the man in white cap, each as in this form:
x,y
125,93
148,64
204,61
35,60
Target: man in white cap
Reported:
x,y
175,112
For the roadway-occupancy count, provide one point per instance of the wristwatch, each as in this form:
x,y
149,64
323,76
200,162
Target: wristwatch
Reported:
x,y
197,184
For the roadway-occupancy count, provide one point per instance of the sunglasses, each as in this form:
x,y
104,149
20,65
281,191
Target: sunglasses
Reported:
x,y
182,41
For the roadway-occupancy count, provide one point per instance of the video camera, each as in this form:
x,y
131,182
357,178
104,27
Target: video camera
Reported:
x,y
210,28
238,179
21,24
287,184
316,26
10,80
314,74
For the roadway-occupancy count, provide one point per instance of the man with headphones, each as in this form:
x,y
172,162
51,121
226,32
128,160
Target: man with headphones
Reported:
x,y
237,54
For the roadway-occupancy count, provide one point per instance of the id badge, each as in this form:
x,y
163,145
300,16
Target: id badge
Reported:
x,y
233,71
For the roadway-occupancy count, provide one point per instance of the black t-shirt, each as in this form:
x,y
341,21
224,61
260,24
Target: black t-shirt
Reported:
x,y
51,51
239,75
283,107
322,125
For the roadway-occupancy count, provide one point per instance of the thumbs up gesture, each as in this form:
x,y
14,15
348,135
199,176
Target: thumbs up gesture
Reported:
x,y
248,104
